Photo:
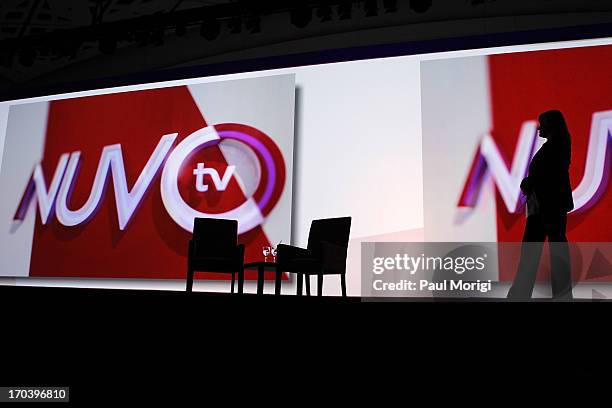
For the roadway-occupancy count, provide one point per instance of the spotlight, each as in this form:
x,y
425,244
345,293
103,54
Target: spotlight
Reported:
x,y
67,47
235,25
420,6
107,45
181,29
344,10
210,28
142,38
253,24
27,56
301,16
371,8
324,13
390,6
45,51
157,37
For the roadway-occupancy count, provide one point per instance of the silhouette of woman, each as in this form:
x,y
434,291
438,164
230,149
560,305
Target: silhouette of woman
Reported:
x,y
549,199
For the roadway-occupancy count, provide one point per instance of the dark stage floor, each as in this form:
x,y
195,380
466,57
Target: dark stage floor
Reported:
x,y
174,344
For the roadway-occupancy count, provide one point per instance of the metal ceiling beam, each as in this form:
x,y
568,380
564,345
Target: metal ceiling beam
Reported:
x,y
28,20
163,19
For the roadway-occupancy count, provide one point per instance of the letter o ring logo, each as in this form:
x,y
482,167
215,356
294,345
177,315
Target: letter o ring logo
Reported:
x,y
257,206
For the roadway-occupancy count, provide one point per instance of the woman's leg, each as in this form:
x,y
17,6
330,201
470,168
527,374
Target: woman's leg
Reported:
x,y
531,249
560,275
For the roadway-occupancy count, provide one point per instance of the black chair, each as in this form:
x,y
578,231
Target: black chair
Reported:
x,y
325,255
214,248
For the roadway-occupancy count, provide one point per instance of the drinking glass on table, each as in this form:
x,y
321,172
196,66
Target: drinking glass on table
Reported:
x,y
274,252
266,253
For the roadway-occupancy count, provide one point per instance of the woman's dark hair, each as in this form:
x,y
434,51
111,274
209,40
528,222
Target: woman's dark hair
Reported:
x,y
554,121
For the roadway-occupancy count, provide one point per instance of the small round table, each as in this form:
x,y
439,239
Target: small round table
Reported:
x,y
261,268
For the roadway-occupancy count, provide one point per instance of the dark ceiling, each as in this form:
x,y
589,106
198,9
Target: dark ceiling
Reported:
x,y
20,18
44,42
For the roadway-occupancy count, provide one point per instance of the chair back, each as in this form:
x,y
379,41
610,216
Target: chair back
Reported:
x,y
334,230
214,236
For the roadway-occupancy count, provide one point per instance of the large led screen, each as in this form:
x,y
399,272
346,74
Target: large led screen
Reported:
x,y
480,132
108,186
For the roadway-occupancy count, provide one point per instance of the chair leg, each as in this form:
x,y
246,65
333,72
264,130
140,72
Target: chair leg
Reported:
x,y
320,285
233,280
189,280
241,281
300,283
307,277
343,283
